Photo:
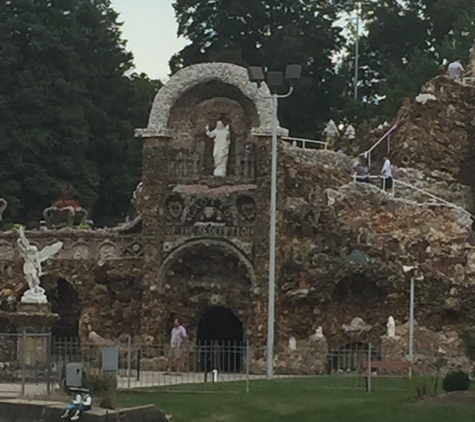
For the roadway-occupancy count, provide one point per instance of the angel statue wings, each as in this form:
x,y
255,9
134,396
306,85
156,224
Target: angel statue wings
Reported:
x,y
32,267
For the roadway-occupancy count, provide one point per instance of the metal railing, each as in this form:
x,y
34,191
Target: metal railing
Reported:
x,y
394,191
386,136
306,143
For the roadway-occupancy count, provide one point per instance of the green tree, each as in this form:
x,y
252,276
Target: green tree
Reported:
x,y
406,44
67,108
271,33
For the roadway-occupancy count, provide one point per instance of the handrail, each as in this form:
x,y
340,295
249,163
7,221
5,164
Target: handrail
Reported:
x,y
447,203
304,141
399,182
386,135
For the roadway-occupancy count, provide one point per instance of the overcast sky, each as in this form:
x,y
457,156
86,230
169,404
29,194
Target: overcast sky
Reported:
x,y
150,29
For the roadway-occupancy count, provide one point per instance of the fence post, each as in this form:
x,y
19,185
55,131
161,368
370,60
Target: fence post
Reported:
x,y
248,362
369,368
49,362
129,360
23,363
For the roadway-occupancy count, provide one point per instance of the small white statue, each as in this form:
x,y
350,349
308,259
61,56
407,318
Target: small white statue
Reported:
x,y
391,325
318,335
350,133
32,267
331,134
292,343
221,147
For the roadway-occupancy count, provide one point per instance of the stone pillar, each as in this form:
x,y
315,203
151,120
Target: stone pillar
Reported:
x,y
35,320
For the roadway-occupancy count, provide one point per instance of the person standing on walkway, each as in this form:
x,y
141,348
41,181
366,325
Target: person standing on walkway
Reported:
x,y
361,172
178,336
455,69
387,175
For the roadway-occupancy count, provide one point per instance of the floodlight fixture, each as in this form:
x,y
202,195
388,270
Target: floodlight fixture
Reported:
x,y
275,79
408,269
256,74
293,72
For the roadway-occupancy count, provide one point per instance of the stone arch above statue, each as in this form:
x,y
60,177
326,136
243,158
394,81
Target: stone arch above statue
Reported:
x,y
199,74
204,244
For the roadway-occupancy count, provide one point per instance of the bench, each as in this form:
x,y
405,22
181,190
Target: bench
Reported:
x,y
387,365
392,368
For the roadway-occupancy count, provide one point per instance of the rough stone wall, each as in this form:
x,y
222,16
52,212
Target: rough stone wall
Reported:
x,y
326,220
103,268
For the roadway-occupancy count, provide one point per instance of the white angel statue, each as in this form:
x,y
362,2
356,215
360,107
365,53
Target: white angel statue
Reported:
x,y
221,147
32,267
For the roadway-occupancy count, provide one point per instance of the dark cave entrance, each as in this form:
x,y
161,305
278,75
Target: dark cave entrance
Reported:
x,y
65,302
220,341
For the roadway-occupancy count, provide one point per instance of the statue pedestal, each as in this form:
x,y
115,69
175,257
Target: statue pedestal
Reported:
x,y
34,321
393,348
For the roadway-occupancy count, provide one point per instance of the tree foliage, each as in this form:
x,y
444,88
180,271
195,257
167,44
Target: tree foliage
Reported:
x,y
270,33
67,108
407,43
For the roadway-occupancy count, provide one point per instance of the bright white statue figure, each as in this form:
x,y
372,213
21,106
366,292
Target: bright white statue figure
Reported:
x,y
292,343
391,325
32,267
221,147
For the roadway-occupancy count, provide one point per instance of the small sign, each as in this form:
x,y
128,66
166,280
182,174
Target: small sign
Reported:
x,y
209,230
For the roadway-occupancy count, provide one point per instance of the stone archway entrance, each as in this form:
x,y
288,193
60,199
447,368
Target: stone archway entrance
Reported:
x,y
65,302
220,340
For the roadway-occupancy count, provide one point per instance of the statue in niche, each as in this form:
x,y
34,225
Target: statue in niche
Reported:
x,y
32,267
220,135
391,325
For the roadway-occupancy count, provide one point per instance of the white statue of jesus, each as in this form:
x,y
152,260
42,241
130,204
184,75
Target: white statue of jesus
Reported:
x,y
221,147
32,267
391,326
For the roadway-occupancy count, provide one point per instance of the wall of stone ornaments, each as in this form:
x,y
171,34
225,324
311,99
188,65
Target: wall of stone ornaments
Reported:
x,y
201,242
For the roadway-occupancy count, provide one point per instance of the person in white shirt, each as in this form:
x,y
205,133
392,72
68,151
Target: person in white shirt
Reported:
x,y
455,69
178,335
387,174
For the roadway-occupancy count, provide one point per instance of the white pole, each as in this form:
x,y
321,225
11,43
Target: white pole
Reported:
x,y
357,48
273,223
411,328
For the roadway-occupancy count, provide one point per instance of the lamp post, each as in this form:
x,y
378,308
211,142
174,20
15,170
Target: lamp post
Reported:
x,y
358,7
413,273
275,80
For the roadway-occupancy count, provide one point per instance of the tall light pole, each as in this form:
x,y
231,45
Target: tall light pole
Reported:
x,y
358,7
412,272
275,80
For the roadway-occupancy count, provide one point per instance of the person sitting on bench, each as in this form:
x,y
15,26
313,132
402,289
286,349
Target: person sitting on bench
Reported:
x,y
80,403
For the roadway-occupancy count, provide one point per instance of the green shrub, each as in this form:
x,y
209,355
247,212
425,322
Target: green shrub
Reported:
x,y
456,381
103,385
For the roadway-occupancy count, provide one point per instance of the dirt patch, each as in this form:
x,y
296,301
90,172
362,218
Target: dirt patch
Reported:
x,y
455,398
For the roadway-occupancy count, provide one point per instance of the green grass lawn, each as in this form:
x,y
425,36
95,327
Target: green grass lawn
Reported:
x,y
299,400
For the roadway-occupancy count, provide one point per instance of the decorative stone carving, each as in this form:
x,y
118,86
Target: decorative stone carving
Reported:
x,y
32,267
221,138
391,326
7,251
67,216
247,208
174,206
3,207
187,78
357,325
107,251
80,251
